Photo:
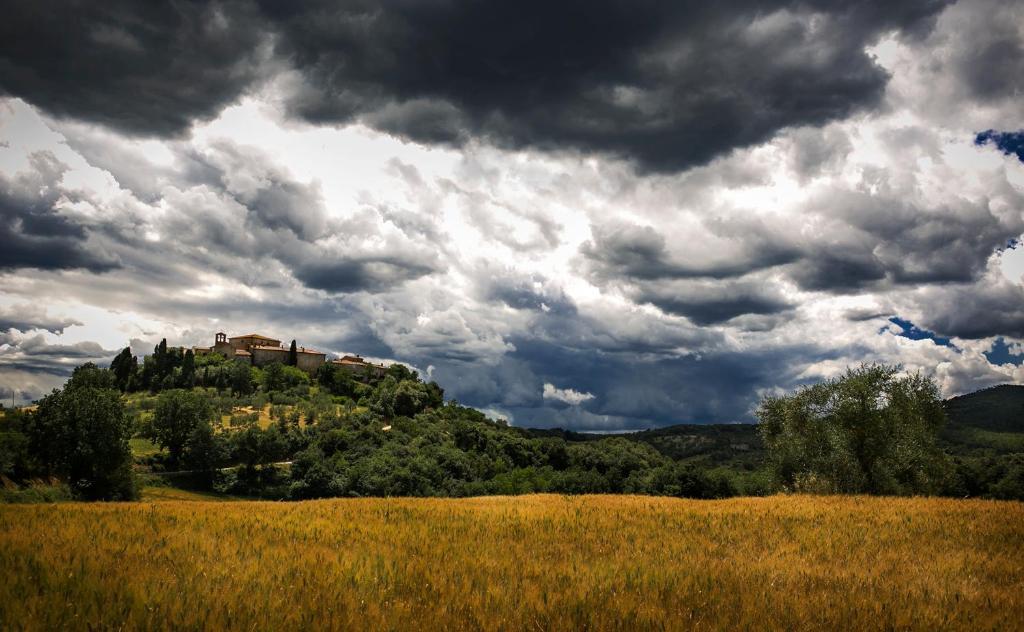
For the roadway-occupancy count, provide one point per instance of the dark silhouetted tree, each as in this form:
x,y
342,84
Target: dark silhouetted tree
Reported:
x,y
81,433
187,378
124,367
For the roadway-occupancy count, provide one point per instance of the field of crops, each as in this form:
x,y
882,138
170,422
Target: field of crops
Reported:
x,y
528,562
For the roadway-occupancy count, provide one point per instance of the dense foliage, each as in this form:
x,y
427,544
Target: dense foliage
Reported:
x,y
79,434
177,416
985,436
871,431
278,432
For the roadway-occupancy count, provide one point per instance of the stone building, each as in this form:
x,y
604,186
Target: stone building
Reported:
x,y
260,350
357,364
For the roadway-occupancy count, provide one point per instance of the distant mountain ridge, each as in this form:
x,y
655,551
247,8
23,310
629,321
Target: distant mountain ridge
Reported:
x,y
986,422
999,409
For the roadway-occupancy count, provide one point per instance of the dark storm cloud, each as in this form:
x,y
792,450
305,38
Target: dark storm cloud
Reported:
x,y
273,197
711,303
31,367
986,50
33,234
35,355
878,238
142,67
979,311
25,317
668,84
231,209
369,274
522,291
636,260
814,150
839,269
641,253
37,346
865,314
630,392
873,237
967,72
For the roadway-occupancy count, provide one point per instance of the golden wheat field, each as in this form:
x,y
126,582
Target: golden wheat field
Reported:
x,y
527,562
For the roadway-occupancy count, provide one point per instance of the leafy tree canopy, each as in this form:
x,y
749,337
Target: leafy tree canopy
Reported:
x,y
872,430
81,433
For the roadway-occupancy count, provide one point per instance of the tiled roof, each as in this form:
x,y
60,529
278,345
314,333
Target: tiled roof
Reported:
x,y
253,336
285,349
356,361
242,352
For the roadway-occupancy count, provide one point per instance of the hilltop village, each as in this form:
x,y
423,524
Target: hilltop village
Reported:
x,y
259,350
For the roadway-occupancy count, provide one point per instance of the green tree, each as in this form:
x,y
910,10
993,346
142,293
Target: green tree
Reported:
x,y
204,451
336,380
401,372
187,379
404,398
81,433
273,377
293,355
314,477
91,376
872,430
241,381
124,367
178,413
278,377
15,458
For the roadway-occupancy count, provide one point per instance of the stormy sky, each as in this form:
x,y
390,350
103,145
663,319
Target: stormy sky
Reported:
x,y
596,215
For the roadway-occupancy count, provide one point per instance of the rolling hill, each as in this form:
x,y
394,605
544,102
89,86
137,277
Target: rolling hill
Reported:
x,y
986,421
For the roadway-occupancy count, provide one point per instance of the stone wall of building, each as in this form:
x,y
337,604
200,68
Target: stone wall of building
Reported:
x,y
262,356
253,340
261,351
309,361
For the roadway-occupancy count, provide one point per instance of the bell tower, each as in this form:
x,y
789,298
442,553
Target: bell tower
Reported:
x,y
222,346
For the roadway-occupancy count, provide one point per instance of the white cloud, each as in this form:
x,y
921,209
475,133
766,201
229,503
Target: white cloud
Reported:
x,y
567,395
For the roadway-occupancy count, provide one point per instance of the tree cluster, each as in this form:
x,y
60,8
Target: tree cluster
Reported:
x,y
871,431
78,434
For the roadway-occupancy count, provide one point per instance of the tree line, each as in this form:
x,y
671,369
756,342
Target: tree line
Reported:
x,y
335,433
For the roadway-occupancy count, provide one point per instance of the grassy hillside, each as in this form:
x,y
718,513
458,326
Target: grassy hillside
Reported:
x,y
990,421
717,442
546,562
998,409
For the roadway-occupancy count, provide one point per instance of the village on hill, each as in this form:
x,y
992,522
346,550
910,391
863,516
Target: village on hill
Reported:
x,y
259,350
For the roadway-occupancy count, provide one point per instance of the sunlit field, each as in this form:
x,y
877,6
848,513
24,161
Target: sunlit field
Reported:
x,y
528,562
